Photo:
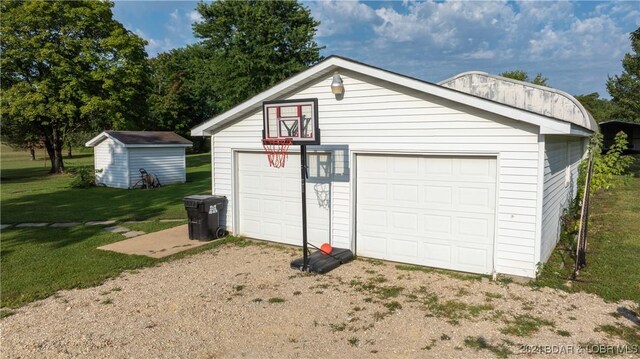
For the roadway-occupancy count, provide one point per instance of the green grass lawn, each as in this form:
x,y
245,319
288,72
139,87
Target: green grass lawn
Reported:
x,y
37,262
613,247
30,194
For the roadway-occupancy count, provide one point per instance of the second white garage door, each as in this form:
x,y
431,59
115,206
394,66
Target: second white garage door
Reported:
x,y
269,199
432,211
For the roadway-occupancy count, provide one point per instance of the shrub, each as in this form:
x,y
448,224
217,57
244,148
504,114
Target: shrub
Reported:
x,y
83,177
609,165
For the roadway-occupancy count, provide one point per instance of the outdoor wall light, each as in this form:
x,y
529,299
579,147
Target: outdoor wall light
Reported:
x,y
337,88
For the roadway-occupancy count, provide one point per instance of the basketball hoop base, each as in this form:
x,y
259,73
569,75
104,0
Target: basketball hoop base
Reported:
x,y
321,263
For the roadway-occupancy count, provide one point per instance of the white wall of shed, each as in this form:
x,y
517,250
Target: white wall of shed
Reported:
x,y
110,162
167,163
561,164
375,116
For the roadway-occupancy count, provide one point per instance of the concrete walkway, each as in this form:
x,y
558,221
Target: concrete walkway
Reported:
x,y
157,244
113,228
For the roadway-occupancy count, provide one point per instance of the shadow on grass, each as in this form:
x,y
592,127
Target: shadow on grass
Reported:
x,y
100,203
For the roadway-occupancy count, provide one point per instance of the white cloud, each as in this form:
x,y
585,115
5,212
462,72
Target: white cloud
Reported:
x,y
340,17
572,44
178,32
195,16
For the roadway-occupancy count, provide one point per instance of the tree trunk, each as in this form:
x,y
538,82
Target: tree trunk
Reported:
x,y
54,145
58,145
69,154
49,147
32,152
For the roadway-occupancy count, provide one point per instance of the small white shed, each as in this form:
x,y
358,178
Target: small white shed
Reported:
x,y
471,174
118,156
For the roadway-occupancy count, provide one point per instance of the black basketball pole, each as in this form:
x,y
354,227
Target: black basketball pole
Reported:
x,y
303,176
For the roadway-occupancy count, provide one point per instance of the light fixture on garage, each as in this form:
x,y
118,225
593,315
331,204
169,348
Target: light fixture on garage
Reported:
x,y
337,88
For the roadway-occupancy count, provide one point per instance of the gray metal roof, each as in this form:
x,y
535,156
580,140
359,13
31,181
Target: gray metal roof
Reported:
x,y
149,138
539,99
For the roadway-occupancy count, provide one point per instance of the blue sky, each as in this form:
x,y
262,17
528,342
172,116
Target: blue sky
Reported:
x,y
574,44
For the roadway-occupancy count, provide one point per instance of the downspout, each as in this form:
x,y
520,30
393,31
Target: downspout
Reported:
x,y
539,203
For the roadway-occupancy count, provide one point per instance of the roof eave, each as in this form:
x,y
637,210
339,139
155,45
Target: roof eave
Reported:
x,y
159,145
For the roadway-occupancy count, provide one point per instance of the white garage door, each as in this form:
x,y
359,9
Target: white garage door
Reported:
x,y
432,211
269,203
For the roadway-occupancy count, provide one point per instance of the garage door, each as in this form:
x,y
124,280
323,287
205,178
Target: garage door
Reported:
x,y
269,204
432,211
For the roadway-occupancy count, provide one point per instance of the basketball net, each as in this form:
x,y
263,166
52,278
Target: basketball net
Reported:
x,y
277,150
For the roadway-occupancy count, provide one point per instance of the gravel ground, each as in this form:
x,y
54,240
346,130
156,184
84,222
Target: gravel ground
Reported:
x,y
245,302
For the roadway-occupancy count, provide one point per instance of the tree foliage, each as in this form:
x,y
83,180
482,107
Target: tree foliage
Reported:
x,y
521,75
256,44
601,109
182,96
606,167
69,66
625,89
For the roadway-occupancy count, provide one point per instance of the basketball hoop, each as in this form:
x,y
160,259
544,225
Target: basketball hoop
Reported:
x,y
277,150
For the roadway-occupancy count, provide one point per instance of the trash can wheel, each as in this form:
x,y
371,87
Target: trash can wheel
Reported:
x,y
220,232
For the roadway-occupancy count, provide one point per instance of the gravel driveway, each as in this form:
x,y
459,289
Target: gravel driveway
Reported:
x,y
245,302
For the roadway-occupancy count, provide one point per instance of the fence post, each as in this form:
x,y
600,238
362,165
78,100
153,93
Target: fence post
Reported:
x,y
581,246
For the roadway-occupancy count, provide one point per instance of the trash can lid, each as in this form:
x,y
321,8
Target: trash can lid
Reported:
x,y
199,196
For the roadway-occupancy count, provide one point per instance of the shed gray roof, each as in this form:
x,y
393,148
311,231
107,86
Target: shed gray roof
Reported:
x,y
142,138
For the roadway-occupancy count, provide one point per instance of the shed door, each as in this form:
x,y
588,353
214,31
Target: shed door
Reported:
x,y
269,199
432,211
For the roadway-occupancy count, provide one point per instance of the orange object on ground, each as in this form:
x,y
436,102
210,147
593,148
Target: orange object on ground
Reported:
x,y
326,248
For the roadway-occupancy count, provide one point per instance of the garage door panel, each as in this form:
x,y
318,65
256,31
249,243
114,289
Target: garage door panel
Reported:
x,y
436,254
404,222
475,196
436,224
405,192
438,196
405,166
472,258
406,247
477,169
437,167
372,243
269,201
372,218
476,228
434,211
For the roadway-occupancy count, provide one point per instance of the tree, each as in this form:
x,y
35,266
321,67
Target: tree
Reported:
x,y
521,75
69,66
601,109
182,95
20,136
256,44
625,89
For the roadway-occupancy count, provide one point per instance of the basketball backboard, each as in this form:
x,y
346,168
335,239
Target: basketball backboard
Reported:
x,y
296,120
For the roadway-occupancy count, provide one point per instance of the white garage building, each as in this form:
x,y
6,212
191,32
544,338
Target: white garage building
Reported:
x,y
471,174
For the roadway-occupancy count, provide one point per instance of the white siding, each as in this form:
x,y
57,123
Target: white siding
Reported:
x,y
561,161
378,116
111,158
167,163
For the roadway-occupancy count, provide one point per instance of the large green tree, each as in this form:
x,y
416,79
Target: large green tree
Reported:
x,y
256,44
625,89
183,95
68,66
521,75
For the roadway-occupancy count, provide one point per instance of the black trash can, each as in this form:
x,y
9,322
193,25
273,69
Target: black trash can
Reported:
x,y
204,216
